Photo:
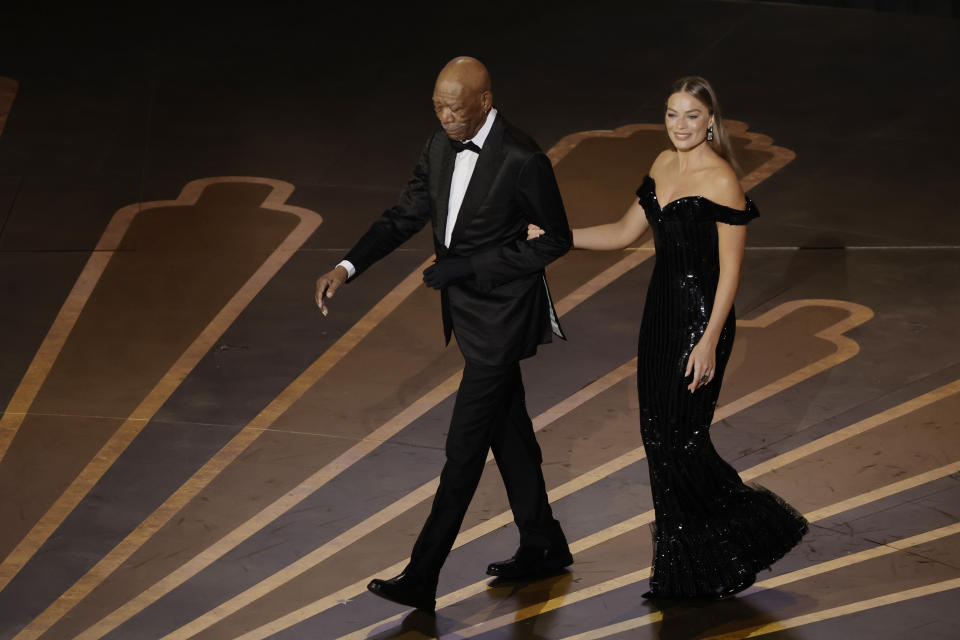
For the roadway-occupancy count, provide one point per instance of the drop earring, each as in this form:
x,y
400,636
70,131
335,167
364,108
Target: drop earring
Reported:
x,y
709,134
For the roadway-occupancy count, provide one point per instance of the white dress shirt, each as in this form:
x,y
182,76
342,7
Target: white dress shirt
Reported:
x,y
463,167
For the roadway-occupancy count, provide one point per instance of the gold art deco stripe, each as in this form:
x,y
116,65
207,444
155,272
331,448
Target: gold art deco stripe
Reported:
x,y
824,567
646,518
845,610
643,574
135,422
319,479
845,349
237,445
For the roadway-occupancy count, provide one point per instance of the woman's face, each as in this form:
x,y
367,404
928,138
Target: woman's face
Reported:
x,y
687,120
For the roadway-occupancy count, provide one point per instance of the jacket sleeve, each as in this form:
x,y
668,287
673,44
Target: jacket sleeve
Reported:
x,y
399,222
539,197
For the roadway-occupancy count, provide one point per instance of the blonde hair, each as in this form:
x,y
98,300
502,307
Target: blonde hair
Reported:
x,y
702,90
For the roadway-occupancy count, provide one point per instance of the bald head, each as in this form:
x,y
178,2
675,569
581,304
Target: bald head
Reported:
x,y
466,72
462,97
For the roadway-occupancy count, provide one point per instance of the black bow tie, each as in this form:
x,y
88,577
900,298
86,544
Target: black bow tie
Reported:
x,y
463,146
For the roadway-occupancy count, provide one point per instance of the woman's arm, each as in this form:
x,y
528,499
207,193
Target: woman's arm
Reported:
x,y
615,235
606,237
702,360
732,239
723,188
622,233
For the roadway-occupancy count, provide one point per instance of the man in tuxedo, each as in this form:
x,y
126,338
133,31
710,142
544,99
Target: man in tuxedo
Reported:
x,y
479,181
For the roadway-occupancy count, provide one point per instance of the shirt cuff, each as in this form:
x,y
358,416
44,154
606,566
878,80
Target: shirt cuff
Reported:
x,y
346,264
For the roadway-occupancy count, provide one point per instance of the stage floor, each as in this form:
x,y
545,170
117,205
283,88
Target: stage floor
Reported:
x,y
188,449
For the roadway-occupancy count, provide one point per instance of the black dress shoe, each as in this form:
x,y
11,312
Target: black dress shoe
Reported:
x,y
531,562
406,590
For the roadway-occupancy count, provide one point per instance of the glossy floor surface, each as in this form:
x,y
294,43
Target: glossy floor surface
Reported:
x,y
189,450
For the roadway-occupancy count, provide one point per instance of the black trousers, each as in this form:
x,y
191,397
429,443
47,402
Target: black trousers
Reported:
x,y
489,413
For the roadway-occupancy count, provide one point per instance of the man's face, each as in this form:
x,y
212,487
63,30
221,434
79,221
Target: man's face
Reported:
x,y
461,111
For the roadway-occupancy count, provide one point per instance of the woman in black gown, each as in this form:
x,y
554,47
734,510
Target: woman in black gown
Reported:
x,y
712,533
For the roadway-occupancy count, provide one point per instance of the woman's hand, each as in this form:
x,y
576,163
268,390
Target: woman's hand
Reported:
x,y
533,232
702,364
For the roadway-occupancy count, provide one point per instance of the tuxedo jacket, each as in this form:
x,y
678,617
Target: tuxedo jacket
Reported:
x,y
504,311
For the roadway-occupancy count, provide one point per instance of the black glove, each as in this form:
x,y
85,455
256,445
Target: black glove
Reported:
x,y
447,270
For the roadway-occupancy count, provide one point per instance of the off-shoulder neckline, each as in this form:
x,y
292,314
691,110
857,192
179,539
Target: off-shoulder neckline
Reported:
x,y
653,191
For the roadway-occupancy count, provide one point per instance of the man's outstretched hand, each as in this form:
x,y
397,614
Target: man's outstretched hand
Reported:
x,y
447,270
327,285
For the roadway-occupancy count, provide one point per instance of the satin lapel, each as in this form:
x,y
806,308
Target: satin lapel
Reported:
x,y
443,192
488,164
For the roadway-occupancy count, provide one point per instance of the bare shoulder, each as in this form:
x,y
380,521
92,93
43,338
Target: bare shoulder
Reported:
x,y
723,187
662,160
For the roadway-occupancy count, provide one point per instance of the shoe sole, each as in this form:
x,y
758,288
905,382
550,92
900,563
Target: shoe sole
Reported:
x,y
425,609
539,573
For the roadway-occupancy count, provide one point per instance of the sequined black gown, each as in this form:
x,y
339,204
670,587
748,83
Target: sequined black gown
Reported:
x,y
712,532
